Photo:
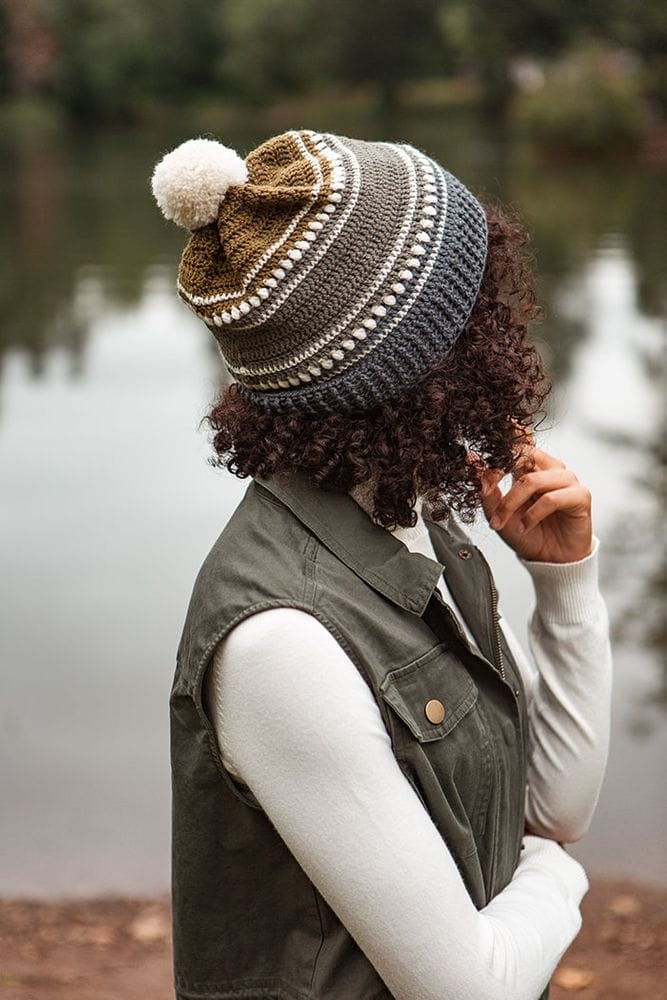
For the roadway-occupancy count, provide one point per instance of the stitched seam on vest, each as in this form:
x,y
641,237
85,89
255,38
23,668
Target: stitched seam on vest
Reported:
x,y
242,989
205,659
522,736
487,621
201,668
319,950
480,811
333,629
383,708
310,570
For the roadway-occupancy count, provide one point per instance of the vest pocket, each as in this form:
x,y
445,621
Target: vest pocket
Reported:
x,y
442,735
418,689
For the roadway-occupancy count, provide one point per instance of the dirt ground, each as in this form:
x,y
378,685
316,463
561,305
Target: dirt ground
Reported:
x,y
119,949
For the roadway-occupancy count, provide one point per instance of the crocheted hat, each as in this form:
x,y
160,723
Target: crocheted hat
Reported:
x,y
333,272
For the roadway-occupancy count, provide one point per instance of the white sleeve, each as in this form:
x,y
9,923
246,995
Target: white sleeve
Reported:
x,y
569,696
304,732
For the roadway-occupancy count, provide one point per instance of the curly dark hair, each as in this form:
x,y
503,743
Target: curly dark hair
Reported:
x,y
469,412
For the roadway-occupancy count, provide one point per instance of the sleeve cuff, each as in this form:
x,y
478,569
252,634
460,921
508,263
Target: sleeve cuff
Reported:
x,y
566,593
543,853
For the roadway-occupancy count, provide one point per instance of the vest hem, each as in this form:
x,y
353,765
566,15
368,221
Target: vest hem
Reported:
x,y
243,989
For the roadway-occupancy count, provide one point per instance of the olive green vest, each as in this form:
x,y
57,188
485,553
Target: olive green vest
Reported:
x,y
247,921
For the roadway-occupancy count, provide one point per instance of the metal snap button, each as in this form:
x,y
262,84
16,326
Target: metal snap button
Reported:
x,y
465,553
434,711
516,692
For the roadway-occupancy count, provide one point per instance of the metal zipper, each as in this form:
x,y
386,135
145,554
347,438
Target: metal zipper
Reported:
x,y
500,664
498,653
521,786
496,621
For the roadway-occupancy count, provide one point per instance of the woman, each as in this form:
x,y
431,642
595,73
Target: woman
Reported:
x,y
372,783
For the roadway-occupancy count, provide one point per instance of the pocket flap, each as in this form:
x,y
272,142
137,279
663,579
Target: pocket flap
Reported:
x,y
437,676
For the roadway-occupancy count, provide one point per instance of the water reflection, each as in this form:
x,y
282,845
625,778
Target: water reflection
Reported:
x,y
109,505
627,414
66,209
611,393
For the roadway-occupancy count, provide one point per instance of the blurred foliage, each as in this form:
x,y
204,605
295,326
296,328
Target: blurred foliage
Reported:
x,y
643,28
385,43
116,58
122,61
487,35
268,52
585,105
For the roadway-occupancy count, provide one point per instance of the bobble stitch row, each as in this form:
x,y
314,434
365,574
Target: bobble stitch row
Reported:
x,y
303,244
417,250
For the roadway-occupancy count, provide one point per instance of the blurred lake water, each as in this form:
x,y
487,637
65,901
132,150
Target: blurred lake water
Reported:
x,y
108,505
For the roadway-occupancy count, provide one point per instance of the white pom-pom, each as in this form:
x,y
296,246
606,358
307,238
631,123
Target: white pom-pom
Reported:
x,y
191,182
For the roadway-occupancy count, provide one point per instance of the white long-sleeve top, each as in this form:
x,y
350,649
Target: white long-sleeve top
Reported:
x,y
298,725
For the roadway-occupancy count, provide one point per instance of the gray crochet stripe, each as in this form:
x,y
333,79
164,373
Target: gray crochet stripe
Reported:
x,y
340,275
415,285
419,341
380,261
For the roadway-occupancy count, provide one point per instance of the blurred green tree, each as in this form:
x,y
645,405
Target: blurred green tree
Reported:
x,y
101,68
383,42
271,47
486,36
116,58
126,60
644,28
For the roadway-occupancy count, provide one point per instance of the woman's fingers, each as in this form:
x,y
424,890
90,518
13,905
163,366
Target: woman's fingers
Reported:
x,y
546,473
530,485
532,459
490,482
574,499
544,495
543,460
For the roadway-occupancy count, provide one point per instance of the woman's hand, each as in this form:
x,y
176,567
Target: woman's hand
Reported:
x,y
545,516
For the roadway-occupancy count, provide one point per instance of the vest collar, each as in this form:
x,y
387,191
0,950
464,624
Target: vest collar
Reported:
x,y
369,550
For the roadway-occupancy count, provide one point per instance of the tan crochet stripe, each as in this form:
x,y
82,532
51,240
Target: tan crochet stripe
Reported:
x,y
247,237
333,224
291,182
316,227
255,338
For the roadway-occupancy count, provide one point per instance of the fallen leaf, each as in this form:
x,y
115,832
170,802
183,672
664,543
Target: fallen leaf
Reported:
x,y
625,906
569,978
149,926
97,934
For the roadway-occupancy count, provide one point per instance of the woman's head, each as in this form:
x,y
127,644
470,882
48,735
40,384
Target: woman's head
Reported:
x,y
478,401
372,313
